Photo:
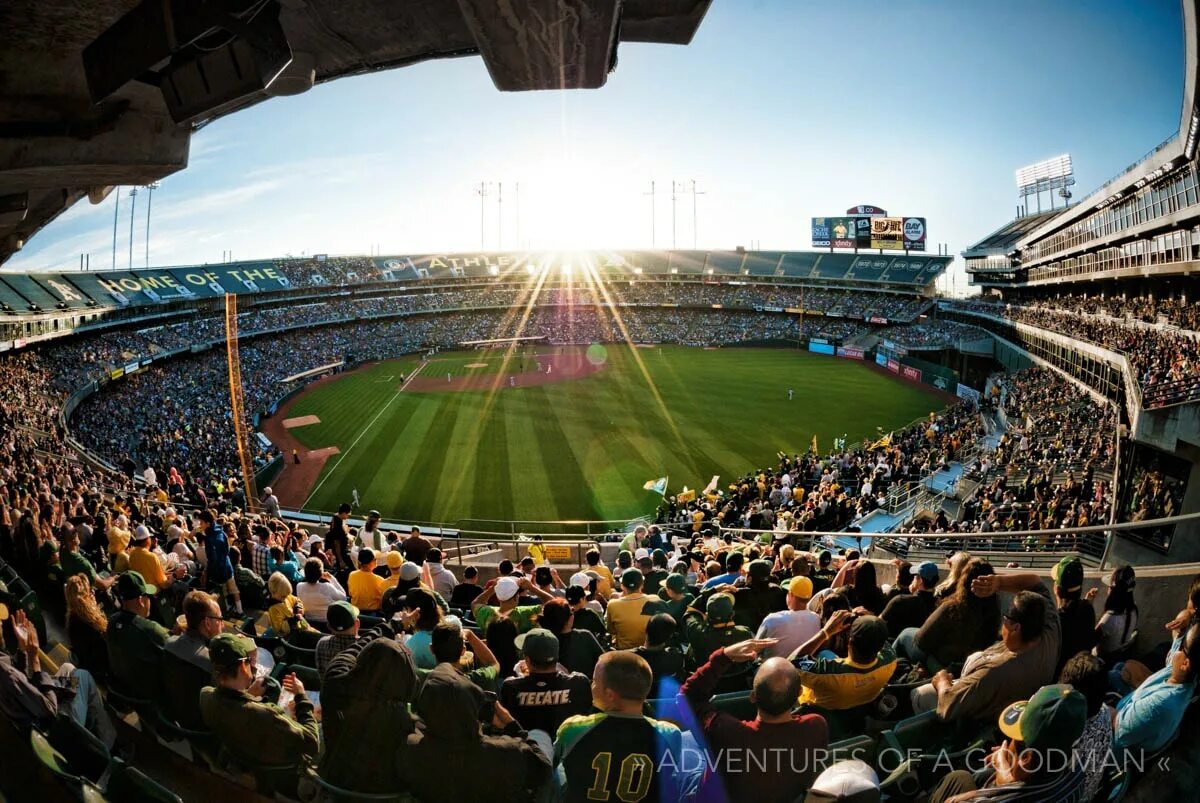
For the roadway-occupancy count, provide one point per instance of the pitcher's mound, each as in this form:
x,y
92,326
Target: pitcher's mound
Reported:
x,y
475,365
302,421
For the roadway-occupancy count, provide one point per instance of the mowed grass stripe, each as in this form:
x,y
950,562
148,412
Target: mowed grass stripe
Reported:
x,y
560,465
492,484
391,486
532,492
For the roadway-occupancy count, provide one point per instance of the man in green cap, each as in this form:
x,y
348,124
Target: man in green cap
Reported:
x,y
342,620
709,631
627,616
1076,614
255,733
1034,762
135,643
675,596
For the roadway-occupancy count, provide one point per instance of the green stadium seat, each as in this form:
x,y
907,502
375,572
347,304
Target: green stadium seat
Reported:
x,y
336,794
86,753
860,747
299,656
54,762
128,784
737,703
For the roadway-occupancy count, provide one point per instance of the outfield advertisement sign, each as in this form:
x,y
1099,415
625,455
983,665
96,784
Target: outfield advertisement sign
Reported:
x,y
881,359
820,348
911,373
843,231
850,353
887,233
893,366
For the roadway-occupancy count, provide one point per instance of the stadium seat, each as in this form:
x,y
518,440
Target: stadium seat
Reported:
x,y
86,754
861,748
202,744
54,762
336,794
128,784
737,703
299,656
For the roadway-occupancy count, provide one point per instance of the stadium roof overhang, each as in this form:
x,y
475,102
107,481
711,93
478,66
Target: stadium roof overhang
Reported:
x,y
102,93
1175,152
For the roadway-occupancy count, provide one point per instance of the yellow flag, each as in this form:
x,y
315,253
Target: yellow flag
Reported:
x,y
814,445
685,495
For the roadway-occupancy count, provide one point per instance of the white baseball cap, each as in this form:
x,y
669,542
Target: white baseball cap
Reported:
x,y
642,552
507,588
581,579
852,781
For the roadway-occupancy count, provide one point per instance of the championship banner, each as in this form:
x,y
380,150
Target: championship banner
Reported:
x,y
887,233
914,234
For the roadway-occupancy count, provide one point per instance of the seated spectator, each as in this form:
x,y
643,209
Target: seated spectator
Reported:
x,y
441,578
1077,618
545,696
255,733
578,650
143,560
186,665
366,588
394,561
251,589
31,697
318,590
342,620
1030,765
1149,718
912,606
134,642
287,614
731,741
837,684
505,590
675,596
715,628
962,624
74,562
665,662
1087,675
365,695
423,616
758,598
285,564
1119,622
732,573
465,592
449,758
594,564
628,614
791,628
584,618
864,588
86,627
479,665
605,754
1017,665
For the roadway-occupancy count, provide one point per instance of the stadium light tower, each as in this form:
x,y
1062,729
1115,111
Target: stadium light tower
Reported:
x,y
132,215
694,194
653,227
500,216
483,193
150,188
673,197
1047,175
116,212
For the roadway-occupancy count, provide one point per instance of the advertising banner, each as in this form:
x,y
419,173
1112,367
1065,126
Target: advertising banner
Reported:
x,y
117,373
887,233
862,232
850,353
876,319
820,232
914,234
881,359
911,373
131,367
867,210
820,348
844,234
893,366
968,393
819,340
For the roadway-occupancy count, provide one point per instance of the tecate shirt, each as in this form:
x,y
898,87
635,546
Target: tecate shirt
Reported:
x,y
543,701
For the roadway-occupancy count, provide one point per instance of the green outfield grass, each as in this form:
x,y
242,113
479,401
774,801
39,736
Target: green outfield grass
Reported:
x,y
582,449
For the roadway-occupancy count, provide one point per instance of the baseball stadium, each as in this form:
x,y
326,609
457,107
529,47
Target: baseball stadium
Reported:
x,y
542,523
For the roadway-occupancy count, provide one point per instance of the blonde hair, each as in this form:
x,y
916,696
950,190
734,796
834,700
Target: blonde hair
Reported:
x,y
787,554
279,586
958,562
81,603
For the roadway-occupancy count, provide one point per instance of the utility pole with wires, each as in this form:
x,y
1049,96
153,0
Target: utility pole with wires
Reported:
x,y
132,216
116,212
694,194
653,243
483,193
150,188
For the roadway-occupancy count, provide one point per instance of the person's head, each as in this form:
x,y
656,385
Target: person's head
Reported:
x,y
924,577
343,511
1086,674
659,630
631,581
542,577
1024,622
734,562
659,559
621,681
718,611
624,559
207,518
501,640
868,634
134,593
540,648
395,561
864,577
313,569
824,559
81,602
446,643
776,687
1185,664
342,618
904,575
506,591
279,587
471,575
202,614
422,601
712,569
433,556
1041,731
415,532
800,591
505,568
366,560
233,657
527,565
69,538
592,556
973,568
1068,580
1120,590
758,573
556,616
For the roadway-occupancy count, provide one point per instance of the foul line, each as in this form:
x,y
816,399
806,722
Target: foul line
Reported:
x,y
366,429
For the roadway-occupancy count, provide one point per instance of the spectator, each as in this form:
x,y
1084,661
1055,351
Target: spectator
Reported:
x,y
1033,763
1118,624
252,590
464,593
793,627
505,591
74,562
449,643
423,617
134,642
218,567
545,696
912,606
964,623
715,628
187,668
286,614
1086,674
86,627
733,572
584,617
665,662
416,548
1077,619
342,620
610,751
395,563
1149,718
270,503
627,616
366,587
731,741
837,684
759,597
337,540
371,537
441,578
318,590
578,650
594,564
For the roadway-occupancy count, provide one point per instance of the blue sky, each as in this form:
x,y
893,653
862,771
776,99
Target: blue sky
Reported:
x,y
780,110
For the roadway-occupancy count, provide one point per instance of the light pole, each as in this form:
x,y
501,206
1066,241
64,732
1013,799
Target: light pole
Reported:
x,y
483,194
653,244
673,215
116,211
694,194
150,188
132,211
500,216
